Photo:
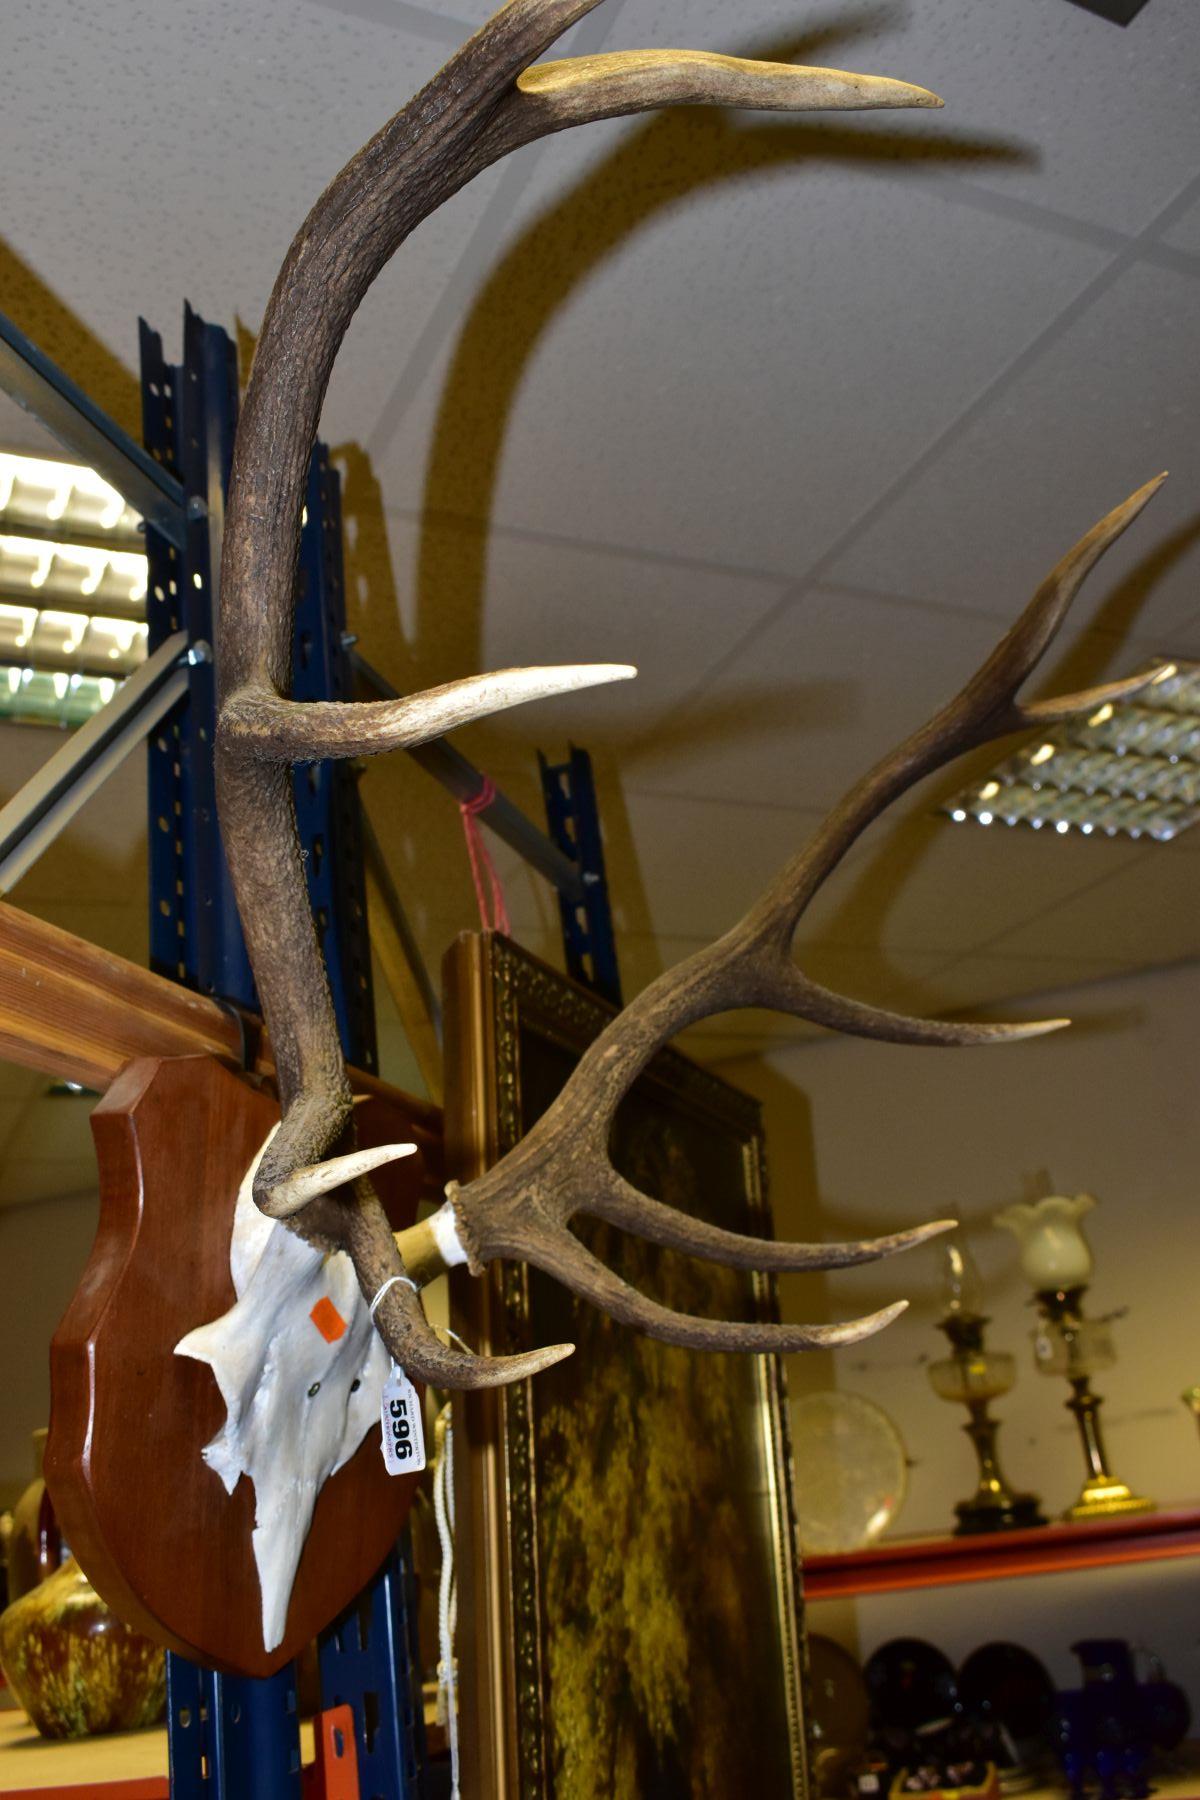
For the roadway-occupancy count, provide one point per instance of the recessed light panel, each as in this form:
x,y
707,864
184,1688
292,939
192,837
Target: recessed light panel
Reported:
x,y
1131,769
72,591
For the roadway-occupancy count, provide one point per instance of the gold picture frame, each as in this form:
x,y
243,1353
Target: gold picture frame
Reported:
x,y
629,1615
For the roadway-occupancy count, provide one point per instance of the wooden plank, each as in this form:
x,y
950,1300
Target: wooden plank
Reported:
x,y
81,1013
1044,1550
78,1012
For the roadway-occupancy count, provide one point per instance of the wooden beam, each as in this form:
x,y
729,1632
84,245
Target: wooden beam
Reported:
x,y
81,1013
78,1012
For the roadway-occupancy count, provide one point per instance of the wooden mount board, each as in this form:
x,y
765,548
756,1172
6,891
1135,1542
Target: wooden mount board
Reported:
x,y
150,1523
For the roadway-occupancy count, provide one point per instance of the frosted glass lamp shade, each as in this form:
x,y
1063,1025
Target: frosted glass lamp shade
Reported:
x,y
1054,1252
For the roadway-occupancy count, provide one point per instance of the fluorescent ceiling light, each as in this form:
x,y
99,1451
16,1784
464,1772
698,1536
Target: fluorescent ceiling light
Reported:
x,y
44,565
1131,769
72,591
39,489
52,697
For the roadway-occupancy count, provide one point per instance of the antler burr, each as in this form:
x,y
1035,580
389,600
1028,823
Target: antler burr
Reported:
x,y
488,100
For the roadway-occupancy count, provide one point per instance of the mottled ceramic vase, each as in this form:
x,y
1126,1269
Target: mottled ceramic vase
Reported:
x,y
75,1668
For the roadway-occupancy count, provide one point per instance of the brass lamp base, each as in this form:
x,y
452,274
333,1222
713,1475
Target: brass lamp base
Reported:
x,y
1104,1497
1016,1512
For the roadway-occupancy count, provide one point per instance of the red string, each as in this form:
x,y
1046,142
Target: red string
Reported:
x,y
481,860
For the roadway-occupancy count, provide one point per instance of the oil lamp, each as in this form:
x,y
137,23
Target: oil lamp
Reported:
x,y
975,1376
1057,1263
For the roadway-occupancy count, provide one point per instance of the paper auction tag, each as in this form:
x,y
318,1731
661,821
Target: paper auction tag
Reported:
x,y
403,1426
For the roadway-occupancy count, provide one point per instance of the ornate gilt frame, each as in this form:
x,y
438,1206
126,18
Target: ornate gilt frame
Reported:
x,y
493,991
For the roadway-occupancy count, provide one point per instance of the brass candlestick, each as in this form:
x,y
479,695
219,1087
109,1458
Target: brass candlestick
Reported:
x,y
975,1376
1068,1344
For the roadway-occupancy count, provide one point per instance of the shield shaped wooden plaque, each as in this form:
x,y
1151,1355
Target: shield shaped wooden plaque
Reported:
x,y
149,1521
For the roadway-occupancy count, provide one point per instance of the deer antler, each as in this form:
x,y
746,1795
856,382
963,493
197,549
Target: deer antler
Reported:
x,y
487,101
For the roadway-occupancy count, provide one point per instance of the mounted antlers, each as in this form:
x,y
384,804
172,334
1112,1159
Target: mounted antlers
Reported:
x,y
487,101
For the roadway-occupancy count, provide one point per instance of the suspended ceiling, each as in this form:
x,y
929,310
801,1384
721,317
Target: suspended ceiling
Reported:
x,y
794,416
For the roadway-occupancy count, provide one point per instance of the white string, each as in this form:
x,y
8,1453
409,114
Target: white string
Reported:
x,y
392,1282
443,1510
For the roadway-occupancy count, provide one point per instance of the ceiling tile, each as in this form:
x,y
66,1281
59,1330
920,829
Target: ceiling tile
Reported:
x,y
203,152
922,883
437,22
1044,85
1184,234
443,599
979,979
725,370
834,681
1103,407
1146,913
830,684
702,863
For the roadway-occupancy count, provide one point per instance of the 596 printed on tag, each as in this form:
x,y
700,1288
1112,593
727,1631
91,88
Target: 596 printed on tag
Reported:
x,y
403,1426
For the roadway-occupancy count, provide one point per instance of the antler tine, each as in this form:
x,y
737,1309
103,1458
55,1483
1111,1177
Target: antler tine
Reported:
x,y
1069,706
619,1203
561,1255
583,89
400,1318
307,731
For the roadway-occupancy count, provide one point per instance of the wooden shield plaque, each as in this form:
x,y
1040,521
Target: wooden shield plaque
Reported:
x,y
149,1521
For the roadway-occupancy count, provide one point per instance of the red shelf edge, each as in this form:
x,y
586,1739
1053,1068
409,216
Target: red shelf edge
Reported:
x,y
1044,1550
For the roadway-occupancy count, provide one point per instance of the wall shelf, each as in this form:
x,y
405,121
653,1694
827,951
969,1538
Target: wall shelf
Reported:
x,y
906,1563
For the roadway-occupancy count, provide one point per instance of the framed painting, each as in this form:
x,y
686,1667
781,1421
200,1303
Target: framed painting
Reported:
x,y
629,1608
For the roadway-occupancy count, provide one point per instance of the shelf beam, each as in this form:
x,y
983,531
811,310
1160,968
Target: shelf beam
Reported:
x,y
910,1563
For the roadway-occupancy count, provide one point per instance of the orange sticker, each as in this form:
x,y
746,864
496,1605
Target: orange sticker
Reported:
x,y
328,1320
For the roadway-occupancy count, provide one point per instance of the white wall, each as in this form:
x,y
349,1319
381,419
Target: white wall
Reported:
x,y
43,1249
868,1137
